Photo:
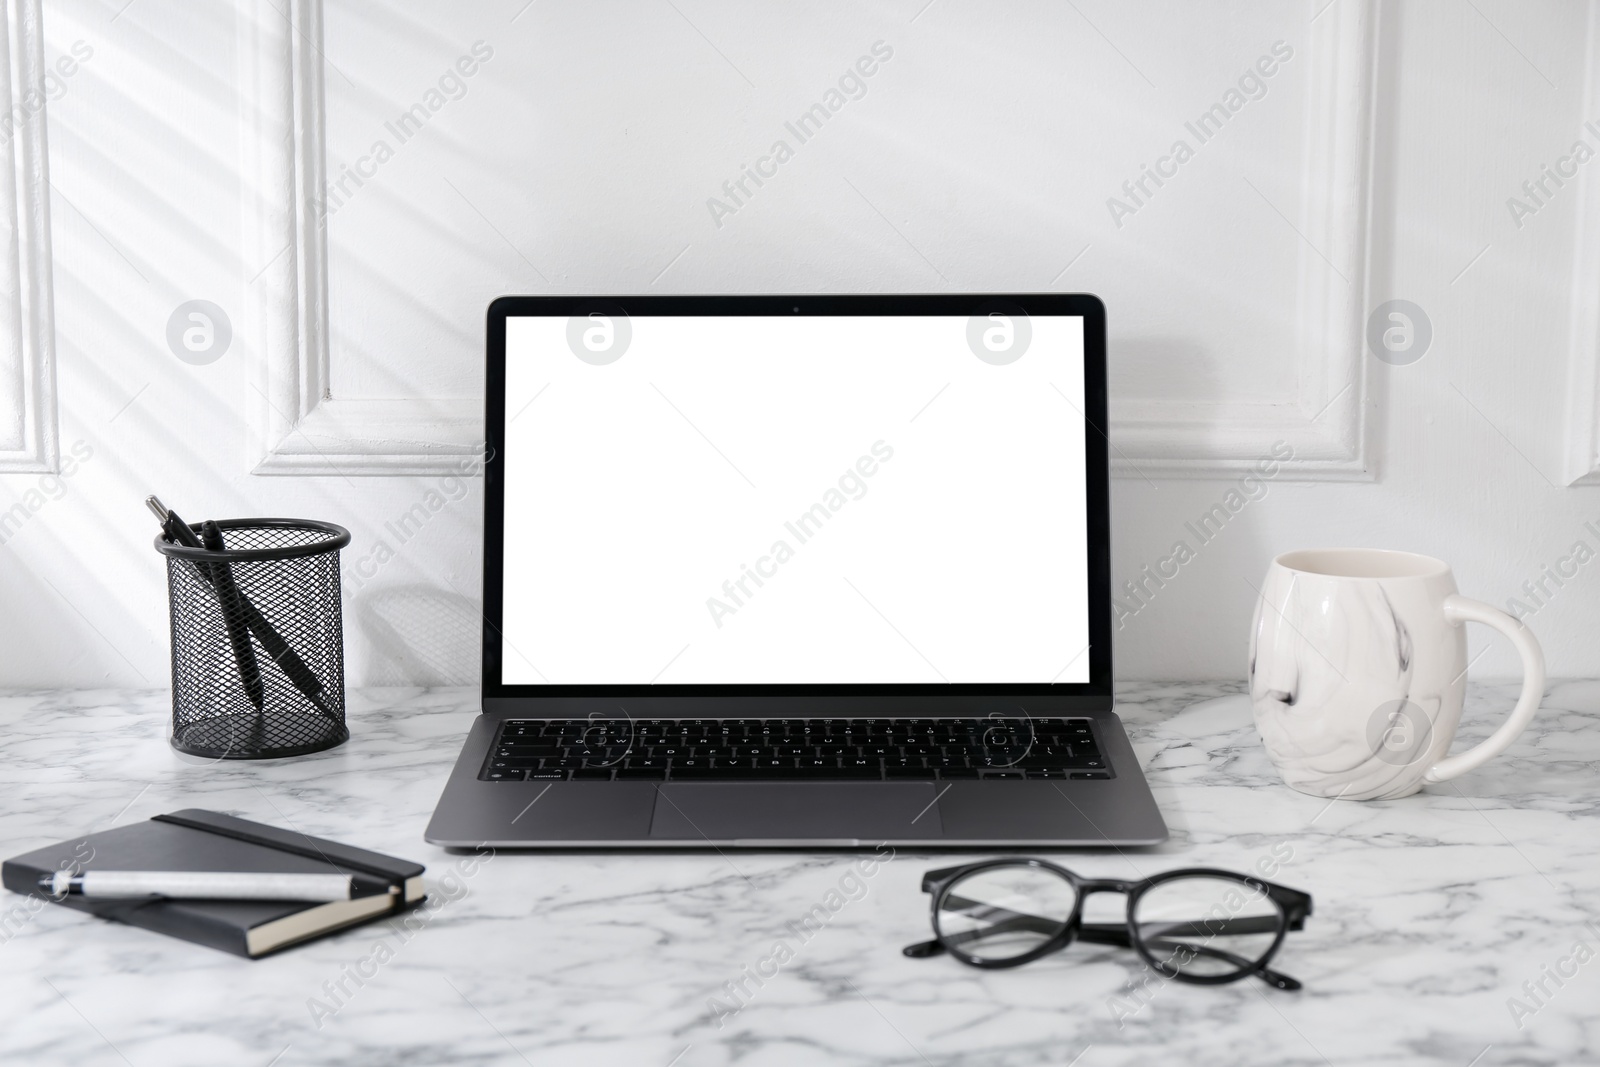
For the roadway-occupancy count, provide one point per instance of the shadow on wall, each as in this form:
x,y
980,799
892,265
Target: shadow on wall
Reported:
x,y
420,637
1200,568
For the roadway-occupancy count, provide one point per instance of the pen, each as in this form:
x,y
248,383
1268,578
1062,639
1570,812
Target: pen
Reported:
x,y
277,648
200,885
233,617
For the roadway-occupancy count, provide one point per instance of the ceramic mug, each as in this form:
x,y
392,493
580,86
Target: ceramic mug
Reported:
x,y
1358,666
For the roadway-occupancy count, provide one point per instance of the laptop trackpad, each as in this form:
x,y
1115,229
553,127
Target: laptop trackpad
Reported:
x,y
848,813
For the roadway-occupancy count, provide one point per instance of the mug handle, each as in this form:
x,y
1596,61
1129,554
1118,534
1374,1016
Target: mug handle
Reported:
x,y
1458,610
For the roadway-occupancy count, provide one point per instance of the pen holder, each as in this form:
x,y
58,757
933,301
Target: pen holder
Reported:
x,y
257,640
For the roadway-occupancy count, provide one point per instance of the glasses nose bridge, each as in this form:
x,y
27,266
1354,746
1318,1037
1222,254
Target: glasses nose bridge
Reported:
x,y
1104,885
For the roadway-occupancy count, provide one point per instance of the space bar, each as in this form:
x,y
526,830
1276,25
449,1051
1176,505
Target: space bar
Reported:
x,y
812,774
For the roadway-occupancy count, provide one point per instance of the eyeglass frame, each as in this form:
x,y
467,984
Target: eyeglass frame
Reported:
x,y
1293,906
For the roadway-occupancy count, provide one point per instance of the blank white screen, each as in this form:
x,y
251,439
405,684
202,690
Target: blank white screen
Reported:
x,y
653,504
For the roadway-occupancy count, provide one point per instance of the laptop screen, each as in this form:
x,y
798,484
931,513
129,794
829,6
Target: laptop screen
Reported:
x,y
753,500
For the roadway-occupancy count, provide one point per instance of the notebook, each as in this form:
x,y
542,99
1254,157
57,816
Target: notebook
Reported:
x,y
199,840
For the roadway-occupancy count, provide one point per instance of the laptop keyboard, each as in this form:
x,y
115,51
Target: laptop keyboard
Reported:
x,y
793,749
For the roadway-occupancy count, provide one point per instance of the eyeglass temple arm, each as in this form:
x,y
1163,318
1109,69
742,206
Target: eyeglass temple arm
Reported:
x,y
1096,933
1273,978
1296,905
1111,934
923,949
1114,934
1007,920
1255,924
932,879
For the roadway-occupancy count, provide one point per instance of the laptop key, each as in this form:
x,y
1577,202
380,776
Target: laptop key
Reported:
x,y
987,774
513,764
958,772
547,776
526,751
505,776
909,772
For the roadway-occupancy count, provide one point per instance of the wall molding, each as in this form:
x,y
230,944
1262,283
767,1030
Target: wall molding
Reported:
x,y
1326,422
1581,442
301,427
29,433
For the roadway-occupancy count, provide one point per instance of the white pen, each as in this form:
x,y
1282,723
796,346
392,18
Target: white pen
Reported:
x,y
200,885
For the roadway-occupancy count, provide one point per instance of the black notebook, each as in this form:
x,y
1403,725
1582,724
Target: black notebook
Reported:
x,y
198,840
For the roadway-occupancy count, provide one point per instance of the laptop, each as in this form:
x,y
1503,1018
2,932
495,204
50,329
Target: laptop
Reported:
x,y
796,571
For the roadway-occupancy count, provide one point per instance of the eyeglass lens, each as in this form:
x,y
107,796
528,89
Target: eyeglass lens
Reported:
x,y
1206,927
1005,912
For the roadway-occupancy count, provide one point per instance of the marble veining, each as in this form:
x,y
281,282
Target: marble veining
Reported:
x,y
1443,922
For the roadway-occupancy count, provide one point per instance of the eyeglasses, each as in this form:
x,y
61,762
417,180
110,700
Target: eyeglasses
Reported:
x,y
1195,925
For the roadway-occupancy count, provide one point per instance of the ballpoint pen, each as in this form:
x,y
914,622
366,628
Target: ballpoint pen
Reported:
x,y
276,647
233,616
206,885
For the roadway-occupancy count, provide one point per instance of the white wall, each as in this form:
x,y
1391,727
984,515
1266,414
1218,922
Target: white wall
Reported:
x,y
188,151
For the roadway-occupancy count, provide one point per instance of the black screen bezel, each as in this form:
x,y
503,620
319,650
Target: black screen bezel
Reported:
x,y
1095,693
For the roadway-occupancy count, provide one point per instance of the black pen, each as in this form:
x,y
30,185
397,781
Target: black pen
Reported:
x,y
233,616
175,528
277,648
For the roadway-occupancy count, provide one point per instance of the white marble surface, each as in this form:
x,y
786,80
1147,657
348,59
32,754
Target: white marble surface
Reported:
x,y
1431,911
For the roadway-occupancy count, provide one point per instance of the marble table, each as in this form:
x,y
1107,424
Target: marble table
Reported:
x,y
1436,917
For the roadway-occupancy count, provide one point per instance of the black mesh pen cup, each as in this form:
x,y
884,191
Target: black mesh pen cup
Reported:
x,y
257,638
